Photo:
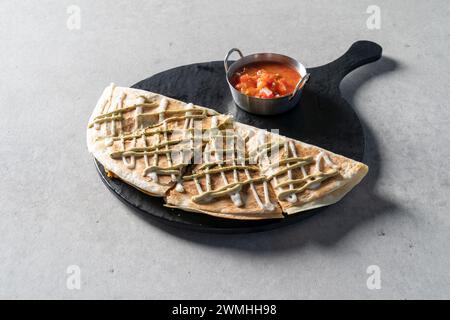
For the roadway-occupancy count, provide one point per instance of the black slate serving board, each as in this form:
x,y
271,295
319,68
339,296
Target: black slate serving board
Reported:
x,y
323,118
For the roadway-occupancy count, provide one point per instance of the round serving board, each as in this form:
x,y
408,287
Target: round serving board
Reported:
x,y
322,118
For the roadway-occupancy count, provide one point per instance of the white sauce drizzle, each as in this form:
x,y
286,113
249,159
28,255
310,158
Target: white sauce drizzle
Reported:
x,y
261,138
162,107
188,124
198,186
196,182
109,141
153,175
132,163
268,205
292,198
168,153
119,104
207,176
235,197
324,156
321,155
139,101
138,111
252,187
179,186
106,104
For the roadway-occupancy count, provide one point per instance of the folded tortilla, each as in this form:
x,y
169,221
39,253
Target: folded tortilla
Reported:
x,y
143,138
304,176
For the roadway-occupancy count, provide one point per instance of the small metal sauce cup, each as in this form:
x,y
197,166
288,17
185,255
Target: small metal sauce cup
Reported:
x,y
259,105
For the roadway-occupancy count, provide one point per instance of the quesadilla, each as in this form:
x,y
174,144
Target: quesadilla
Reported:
x,y
203,161
226,184
144,138
303,176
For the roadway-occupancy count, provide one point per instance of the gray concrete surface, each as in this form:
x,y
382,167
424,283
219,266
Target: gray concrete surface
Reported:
x,y
55,212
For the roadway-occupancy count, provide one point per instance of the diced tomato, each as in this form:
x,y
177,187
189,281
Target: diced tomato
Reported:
x,y
266,80
266,93
281,87
244,78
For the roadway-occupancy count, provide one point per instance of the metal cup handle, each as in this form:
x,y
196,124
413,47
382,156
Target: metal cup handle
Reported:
x,y
225,61
300,85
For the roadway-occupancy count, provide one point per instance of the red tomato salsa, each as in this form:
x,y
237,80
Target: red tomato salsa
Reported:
x,y
266,80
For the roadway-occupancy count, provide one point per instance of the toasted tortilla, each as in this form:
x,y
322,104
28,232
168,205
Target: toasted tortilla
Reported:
x,y
339,174
252,201
104,137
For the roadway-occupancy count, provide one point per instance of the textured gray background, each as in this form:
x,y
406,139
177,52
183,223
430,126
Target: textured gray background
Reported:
x,y
55,212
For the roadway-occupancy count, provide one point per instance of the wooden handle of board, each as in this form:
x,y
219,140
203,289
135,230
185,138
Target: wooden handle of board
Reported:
x,y
360,53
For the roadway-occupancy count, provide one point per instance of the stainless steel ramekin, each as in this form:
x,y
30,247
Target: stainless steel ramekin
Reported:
x,y
259,105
